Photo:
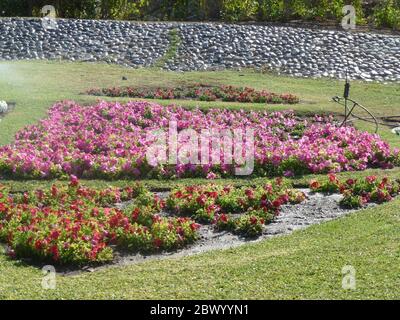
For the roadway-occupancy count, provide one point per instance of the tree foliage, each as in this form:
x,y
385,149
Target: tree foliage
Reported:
x,y
381,12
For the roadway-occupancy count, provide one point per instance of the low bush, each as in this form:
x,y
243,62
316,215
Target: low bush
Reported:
x,y
77,225
359,192
387,14
215,204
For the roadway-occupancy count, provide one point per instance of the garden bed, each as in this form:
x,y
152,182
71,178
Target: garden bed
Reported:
x,y
111,141
78,229
201,92
317,208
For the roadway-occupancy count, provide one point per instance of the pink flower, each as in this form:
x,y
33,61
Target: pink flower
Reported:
x,y
211,176
74,182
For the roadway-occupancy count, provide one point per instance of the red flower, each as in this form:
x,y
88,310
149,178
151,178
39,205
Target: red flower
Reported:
x,y
212,194
201,200
314,185
54,251
3,208
95,212
249,193
54,191
332,178
253,220
277,203
26,197
156,218
178,194
180,231
383,183
38,244
194,226
135,214
370,179
157,242
54,234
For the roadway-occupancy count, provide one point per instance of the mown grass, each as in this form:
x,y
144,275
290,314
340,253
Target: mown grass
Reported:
x,y
174,42
306,264
17,186
36,85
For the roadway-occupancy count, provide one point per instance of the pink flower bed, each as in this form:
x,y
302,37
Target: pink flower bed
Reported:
x,y
108,140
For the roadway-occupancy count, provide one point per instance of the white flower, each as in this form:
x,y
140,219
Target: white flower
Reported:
x,y
3,106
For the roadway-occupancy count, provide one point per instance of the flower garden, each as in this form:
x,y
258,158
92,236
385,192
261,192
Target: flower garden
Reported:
x,y
110,141
78,193
359,192
200,92
216,204
77,225
191,161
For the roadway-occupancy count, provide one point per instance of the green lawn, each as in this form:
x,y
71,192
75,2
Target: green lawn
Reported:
x,y
306,264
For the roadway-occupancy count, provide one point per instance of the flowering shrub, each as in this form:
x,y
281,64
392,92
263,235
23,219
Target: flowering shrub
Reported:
x,y
214,204
200,92
249,226
60,196
357,193
109,140
72,225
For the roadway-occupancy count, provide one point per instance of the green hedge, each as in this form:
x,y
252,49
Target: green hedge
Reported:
x,y
385,13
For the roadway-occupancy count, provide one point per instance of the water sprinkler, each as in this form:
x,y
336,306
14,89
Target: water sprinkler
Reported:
x,y
349,112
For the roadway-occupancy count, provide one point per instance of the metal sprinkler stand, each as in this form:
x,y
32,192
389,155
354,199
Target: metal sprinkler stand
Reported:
x,y
349,115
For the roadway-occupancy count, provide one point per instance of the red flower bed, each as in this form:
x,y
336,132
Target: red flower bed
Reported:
x,y
77,225
357,193
215,204
200,92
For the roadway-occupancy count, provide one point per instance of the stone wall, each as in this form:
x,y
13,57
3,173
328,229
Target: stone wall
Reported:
x,y
207,46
